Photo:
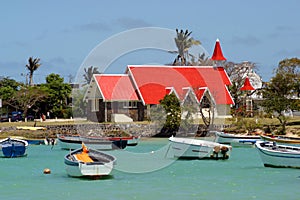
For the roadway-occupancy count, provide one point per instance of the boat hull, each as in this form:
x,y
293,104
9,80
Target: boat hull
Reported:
x,y
236,140
282,140
134,141
102,167
11,147
278,155
190,148
74,142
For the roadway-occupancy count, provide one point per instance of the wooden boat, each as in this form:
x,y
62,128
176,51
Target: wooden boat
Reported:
x,y
281,139
88,162
74,142
275,155
200,149
235,139
13,147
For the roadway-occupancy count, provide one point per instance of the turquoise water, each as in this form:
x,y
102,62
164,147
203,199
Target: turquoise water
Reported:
x,y
241,177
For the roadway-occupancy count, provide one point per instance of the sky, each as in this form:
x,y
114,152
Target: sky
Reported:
x,y
64,33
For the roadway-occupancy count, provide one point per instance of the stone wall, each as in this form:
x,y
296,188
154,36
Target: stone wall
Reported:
x,y
104,129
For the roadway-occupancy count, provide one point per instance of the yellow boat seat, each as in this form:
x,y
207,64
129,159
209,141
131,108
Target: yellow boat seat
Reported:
x,y
84,157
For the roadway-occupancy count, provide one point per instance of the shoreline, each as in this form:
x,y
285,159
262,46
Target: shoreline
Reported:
x,y
39,129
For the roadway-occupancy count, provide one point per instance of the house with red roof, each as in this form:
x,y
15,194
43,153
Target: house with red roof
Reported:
x,y
132,94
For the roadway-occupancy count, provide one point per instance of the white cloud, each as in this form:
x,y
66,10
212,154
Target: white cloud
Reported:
x,y
245,40
129,23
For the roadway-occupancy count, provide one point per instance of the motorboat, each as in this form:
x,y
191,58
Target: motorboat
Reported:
x,y
196,148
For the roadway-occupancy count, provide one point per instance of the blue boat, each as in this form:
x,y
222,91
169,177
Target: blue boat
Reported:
x,y
12,147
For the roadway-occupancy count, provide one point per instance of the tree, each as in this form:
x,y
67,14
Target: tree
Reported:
x,y
202,60
237,73
79,105
281,93
59,94
172,108
183,42
32,66
89,74
8,87
27,98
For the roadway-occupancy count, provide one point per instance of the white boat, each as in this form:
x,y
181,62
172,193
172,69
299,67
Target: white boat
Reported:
x,y
86,162
200,149
236,139
281,139
275,155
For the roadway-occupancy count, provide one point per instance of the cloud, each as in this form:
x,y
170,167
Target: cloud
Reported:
x,y
19,44
130,23
283,31
246,40
96,26
92,27
13,69
287,53
125,22
42,35
57,60
284,28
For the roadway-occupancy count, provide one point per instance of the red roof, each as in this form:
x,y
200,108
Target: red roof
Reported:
x,y
116,87
218,55
199,93
247,85
151,81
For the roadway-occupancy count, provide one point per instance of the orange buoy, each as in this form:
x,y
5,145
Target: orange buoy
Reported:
x,y
47,171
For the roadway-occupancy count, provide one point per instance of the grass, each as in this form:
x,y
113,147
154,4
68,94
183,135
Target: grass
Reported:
x,y
243,124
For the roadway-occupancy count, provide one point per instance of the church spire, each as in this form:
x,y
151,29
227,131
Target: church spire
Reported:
x,y
247,85
218,55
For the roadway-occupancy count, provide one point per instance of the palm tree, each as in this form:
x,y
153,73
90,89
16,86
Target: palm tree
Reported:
x,y
184,42
89,74
33,64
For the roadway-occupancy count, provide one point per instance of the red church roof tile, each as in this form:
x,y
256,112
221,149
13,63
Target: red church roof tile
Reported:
x,y
199,93
151,81
116,87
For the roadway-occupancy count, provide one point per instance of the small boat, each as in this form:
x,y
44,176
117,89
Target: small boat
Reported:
x,y
235,139
282,139
30,141
13,147
275,155
200,149
74,142
88,162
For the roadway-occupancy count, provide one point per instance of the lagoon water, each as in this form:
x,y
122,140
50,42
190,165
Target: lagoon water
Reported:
x,y
242,176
